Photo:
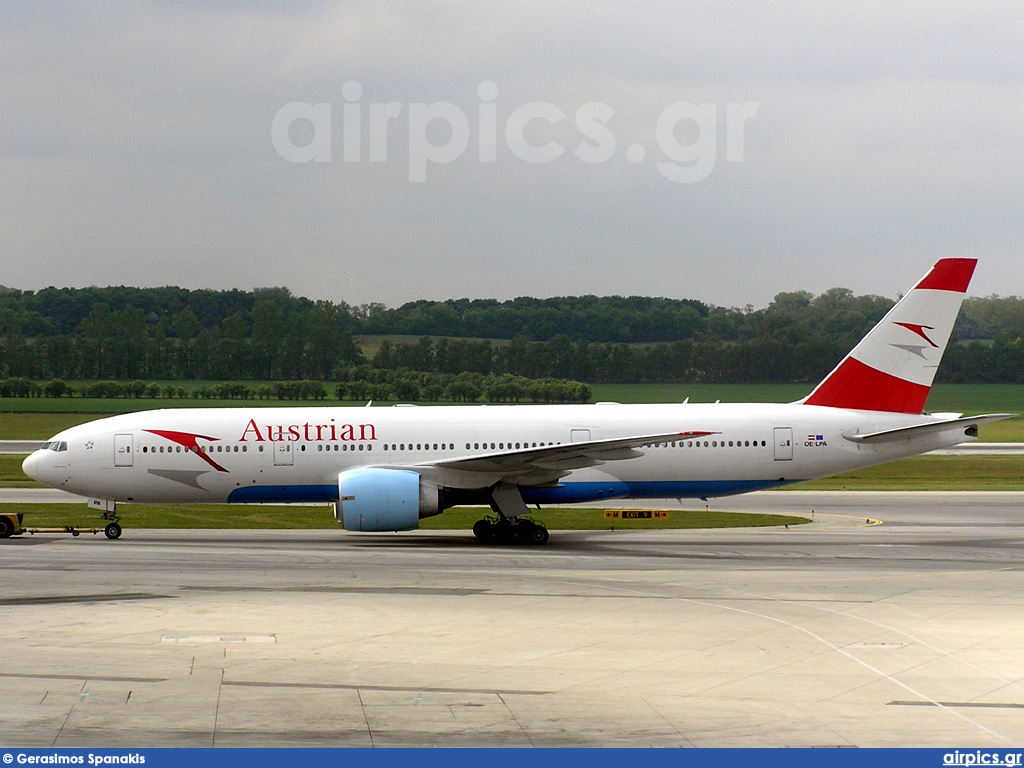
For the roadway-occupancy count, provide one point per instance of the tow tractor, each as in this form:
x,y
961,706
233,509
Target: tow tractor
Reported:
x,y
13,525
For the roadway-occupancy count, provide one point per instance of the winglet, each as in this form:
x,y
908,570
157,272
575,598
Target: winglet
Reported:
x,y
892,368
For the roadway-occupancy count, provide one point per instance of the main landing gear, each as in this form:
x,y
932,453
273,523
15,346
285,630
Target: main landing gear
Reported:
x,y
510,524
514,530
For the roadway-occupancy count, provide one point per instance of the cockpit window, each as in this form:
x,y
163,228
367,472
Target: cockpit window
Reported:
x,y
62,446
54,445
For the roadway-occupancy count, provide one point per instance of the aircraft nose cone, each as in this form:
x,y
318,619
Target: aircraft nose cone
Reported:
x,y
34,466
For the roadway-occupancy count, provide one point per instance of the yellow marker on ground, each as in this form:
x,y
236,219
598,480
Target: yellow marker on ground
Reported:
x,y
636,514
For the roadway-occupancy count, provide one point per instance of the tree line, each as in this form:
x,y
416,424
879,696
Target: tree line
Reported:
x,y
361,385
160,334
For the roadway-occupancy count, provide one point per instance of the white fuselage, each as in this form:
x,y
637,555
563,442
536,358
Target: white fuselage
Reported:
x,y
296,454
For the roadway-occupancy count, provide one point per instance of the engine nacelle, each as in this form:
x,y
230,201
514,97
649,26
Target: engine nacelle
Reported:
x,y
377,499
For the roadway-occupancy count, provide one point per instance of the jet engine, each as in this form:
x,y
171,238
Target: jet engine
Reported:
x,y
375,499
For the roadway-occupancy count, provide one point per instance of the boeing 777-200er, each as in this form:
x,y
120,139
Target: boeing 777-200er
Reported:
x,y
386,468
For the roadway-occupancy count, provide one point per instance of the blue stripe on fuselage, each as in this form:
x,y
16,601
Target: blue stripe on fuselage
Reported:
x,y
567,493
283,494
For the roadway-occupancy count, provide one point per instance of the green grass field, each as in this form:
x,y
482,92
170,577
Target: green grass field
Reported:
x,y
11,475
304,517
930,473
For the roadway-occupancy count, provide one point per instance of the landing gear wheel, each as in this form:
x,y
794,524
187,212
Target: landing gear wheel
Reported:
x,y
112,531
539,535
484,530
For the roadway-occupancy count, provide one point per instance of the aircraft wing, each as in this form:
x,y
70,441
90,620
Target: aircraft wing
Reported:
x,y
546,463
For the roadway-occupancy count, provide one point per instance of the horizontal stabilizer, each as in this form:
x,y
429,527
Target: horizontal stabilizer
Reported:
x,y
917,430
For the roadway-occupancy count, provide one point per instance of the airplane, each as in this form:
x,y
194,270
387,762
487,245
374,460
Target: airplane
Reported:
x,y
384,469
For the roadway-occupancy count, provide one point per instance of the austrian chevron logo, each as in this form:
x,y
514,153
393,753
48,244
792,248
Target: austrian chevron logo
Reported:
x,y
919,330
189,441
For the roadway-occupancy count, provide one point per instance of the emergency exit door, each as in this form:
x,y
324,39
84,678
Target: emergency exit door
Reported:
x,y
783,443
283,454
124,455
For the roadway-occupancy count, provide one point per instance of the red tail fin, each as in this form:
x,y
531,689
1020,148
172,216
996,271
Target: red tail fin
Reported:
x,y
892,368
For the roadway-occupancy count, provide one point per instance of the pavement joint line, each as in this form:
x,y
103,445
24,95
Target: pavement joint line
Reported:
x,y
106,598
362,709
972,704
881,675
216,712
395,688
888,628
102,678
516,720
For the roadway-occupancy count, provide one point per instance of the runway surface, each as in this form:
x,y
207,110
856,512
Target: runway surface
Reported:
x,y
844,632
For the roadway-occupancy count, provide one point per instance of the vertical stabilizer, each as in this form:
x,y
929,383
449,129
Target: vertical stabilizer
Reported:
x,y
892,368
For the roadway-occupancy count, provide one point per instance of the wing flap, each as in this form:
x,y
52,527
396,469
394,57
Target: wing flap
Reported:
x,y
562,457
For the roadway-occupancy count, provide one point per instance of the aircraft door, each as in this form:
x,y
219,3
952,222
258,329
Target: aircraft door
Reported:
x,y
580,435
783,443
283,454
124,455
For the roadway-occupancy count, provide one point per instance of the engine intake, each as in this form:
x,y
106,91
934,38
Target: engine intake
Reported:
x,y
375,499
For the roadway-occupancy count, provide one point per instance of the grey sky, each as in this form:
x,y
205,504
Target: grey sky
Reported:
x,y
135,147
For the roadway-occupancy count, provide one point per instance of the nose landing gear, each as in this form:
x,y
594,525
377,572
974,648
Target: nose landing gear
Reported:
x,y
112,530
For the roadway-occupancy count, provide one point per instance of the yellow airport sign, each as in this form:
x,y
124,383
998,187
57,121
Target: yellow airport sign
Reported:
x,y
636,514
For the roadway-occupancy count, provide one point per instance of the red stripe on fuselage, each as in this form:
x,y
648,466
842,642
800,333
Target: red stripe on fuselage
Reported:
x,y
856,385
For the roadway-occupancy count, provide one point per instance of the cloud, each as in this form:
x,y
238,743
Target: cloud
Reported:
x,y
135,145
